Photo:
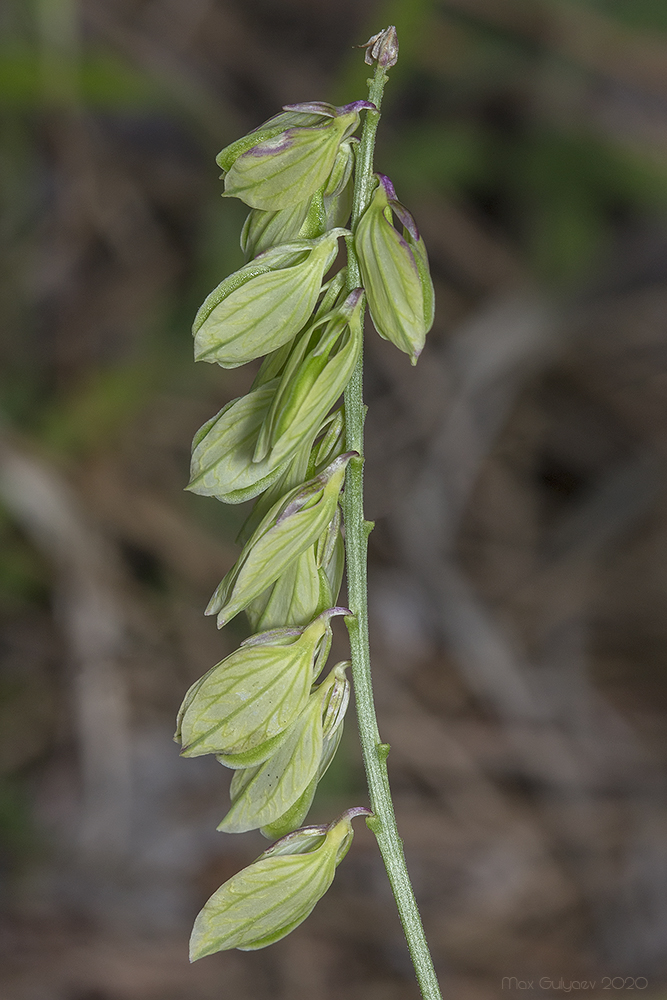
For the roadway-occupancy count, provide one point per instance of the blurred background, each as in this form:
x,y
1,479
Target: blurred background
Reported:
x,y
517,477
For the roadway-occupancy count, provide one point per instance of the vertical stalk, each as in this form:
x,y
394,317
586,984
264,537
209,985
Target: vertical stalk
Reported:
x,y
383,821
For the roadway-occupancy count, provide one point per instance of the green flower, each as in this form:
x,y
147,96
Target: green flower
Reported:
x,y
244,705
291,165
318,369
395,272
289,528
277,793
222,450
267,900
263,305
309,585
263,230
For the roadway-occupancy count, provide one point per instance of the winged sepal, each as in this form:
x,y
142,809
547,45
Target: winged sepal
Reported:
x,y
263,795
222,450
318,369
264,304
395,273
296,597
290,166
309,585
268,899
249,699
291,526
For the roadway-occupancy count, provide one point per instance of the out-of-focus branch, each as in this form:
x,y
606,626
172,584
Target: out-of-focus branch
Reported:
x,y
93,623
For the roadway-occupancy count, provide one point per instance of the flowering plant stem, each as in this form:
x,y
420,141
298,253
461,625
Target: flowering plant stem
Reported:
x,y
357,530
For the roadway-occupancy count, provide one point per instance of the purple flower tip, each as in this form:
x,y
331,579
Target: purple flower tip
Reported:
x,y
350,814
332,612
406,219
356,106
313,108
353,298
389,189
400,210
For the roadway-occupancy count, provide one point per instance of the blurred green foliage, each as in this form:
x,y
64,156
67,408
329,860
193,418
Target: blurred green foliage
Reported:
x,y
649,15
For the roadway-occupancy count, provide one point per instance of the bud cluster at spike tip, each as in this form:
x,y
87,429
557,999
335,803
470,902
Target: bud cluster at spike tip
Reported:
x,y
271,710
382,48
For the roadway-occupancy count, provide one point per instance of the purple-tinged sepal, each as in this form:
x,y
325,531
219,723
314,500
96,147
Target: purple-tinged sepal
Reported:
x,y
290,527
273,170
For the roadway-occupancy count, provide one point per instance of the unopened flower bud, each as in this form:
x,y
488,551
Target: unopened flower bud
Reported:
x,y
382,48
394,269
290,166
263,305
268,899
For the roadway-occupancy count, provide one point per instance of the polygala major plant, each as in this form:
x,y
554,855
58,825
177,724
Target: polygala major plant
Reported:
x,y
271,711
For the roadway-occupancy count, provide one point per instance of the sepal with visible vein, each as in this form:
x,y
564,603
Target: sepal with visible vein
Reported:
x,y
264,304
268,899
288,529
265,795
318,369
290,166
329,208
222,463
244,705
395,273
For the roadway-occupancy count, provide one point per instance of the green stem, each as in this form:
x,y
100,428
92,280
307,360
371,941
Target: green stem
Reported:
x,y
383,821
